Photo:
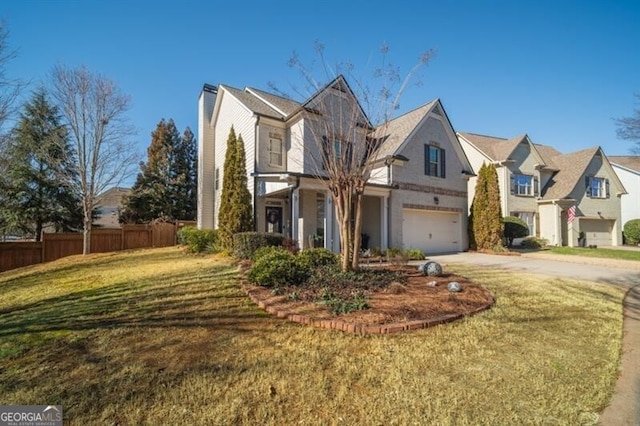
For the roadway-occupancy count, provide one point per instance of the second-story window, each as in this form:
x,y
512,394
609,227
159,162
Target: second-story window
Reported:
x,y
275,152
524,185
434,161
597,187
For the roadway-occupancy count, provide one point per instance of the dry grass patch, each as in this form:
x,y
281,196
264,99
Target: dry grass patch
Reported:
x,y
157,336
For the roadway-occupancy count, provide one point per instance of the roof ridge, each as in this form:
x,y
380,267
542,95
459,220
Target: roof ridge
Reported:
x,y
483,136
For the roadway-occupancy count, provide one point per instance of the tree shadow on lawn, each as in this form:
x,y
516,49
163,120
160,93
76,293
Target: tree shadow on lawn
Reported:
x,y
185,301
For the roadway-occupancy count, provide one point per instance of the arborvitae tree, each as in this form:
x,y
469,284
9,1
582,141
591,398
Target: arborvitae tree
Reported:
x,y
166,186
486,221
241,204
225,214
38,154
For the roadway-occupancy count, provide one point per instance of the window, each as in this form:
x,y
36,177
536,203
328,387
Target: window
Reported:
x,y
434,161
336,153
275,152
217,178
528,218
524,185
597,187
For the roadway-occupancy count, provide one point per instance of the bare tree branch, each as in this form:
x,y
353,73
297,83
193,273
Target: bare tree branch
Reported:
x,y
347,127
95,110
9,87
629,127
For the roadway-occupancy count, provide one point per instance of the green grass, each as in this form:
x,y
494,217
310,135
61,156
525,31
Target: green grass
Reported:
x,y
157,336
598,252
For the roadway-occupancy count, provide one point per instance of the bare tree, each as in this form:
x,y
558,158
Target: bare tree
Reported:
x,y
94,110
629,128
348,126
9,88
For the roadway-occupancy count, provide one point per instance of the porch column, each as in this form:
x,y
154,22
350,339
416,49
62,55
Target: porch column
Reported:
x,y
329,214
384,223
295,215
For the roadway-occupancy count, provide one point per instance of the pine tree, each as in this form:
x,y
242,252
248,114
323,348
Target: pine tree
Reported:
x,y
35,195
185,183
166,186
486,215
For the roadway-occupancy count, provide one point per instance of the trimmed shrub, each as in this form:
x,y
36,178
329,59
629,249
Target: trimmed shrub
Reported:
x,y
533,242
274,267
198,240
309,260
514,227
246,243
632,231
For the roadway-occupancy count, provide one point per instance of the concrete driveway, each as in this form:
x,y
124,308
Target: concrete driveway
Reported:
x,y
624,408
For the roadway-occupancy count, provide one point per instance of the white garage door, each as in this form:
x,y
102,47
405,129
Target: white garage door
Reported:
x,y
431,232
597,231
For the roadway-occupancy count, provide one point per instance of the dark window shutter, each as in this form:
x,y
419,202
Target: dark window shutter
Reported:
x,y
513,184
606,184
536,186
587,182
426,159
444,163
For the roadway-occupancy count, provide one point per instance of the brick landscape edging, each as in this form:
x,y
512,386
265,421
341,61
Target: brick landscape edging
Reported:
x,y
356,328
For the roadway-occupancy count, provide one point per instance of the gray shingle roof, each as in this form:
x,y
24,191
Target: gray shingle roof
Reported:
x,y
547,153
571,167
631,162
287,106
253,103
397,130
497,149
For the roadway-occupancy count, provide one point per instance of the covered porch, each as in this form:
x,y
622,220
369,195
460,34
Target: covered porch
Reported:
x,y
302,209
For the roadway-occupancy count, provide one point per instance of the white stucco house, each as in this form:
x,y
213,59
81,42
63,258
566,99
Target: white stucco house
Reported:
x,y
541,185
627,167
416,196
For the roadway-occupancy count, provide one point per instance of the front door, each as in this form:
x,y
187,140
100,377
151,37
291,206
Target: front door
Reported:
x,y
273,219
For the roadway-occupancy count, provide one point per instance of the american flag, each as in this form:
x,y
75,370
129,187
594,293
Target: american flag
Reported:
x,y
571,214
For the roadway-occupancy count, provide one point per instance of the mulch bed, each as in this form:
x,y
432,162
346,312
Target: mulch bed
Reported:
x,y
413,304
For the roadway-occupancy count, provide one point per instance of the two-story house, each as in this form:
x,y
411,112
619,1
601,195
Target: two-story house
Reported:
x,y
416,196
627,167
561,197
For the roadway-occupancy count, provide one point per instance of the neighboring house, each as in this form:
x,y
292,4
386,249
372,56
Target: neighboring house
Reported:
x,y
628,170
416,197
107,211
540,185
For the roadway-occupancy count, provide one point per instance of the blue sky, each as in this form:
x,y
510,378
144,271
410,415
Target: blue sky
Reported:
x,y
559,71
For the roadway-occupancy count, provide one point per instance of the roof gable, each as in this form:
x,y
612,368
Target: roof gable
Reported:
x,y
252,102
572,169
397,133
338,84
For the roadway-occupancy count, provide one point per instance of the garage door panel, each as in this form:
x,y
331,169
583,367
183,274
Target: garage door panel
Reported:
x,y
597,231
431,232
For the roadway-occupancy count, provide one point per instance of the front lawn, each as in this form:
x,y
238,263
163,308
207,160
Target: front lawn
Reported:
x,y
598,252
158,336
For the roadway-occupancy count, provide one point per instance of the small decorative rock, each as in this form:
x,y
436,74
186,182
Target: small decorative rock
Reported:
x,y
432,284
432,269
454,287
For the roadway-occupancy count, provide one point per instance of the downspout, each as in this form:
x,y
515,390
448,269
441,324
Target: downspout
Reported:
x,y
255,169
555,217
291,191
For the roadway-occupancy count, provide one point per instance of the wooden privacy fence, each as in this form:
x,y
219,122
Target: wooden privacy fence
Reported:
x,y
54,246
